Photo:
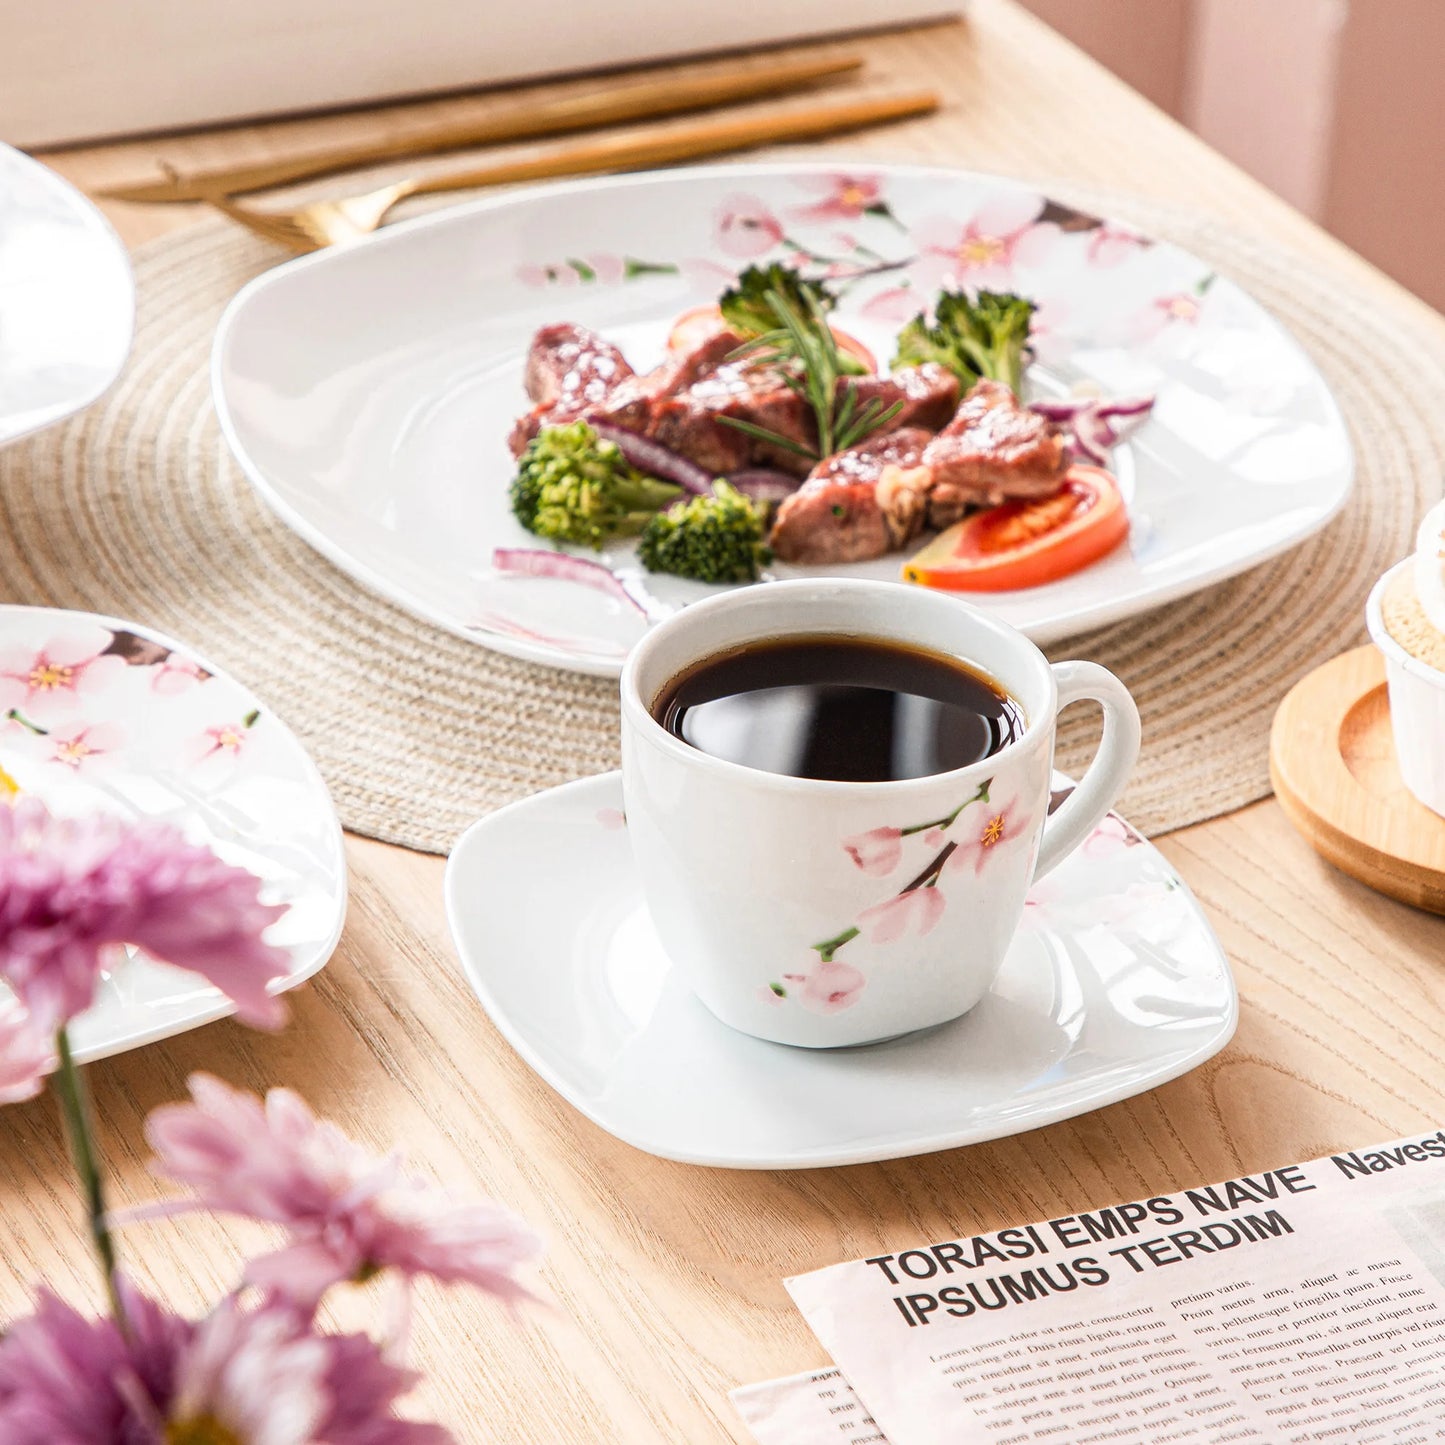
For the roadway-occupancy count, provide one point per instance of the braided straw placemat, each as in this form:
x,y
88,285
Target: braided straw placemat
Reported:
x,y
135,508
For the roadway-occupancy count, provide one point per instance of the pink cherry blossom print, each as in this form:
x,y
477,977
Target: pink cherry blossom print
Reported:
x,y
877,852
1111,245
986,833
768,993
611,819
85,747
176,674
915,912
1112,836
49,681
843,198
225,741
746,228
983,251
832,987
1178,311
1047,328
897,304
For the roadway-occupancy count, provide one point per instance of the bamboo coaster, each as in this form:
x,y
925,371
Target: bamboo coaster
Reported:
x,y
1332,762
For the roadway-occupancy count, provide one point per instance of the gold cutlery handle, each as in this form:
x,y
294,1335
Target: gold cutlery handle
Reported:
x,y
680,143
611,105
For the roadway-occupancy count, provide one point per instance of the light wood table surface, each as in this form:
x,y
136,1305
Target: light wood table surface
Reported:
x,y
666,1279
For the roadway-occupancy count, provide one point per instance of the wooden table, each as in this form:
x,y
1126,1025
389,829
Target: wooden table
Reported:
x,y
666,1278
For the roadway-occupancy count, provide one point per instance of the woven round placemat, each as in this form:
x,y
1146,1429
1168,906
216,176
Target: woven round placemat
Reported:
x,y
135,508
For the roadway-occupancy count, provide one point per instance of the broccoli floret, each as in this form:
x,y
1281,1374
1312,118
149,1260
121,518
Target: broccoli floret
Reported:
x,y
711,539
746,308
572,486
984,336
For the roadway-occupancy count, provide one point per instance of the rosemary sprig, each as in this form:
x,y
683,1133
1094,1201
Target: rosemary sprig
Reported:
x,y
805,351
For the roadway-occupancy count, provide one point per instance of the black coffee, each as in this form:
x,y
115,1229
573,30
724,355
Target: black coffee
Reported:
x,y
845,709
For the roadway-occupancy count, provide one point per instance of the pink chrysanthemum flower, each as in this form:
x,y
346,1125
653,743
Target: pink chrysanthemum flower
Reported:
x,y
72,890
349,1214
26,1054
243,1377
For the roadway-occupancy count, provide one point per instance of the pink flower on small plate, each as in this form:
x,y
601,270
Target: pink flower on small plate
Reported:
x,y
1046,330
983,251
223,740
844,198
49,680
877,852
1111,245
746,228
987,833
832,987
915,912
1179,309
86,746
177,674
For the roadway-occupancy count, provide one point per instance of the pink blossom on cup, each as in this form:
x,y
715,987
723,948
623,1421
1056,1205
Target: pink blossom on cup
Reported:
x,y
349,1214
832,987
85,746
769,995
987,833
611,819
877,852
843,198
745,227
72,890
915,912
983,251
50,681
26,1053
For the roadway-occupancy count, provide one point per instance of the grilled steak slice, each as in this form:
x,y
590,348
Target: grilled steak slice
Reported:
x,y
994,449
569,369
929,394
835,515
831,520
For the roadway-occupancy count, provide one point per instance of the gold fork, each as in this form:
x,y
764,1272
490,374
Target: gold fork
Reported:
x,y
327,223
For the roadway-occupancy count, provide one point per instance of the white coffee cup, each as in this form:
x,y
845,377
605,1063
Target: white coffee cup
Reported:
x,y
786,902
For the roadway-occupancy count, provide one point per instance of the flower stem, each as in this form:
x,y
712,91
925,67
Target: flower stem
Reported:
x,y
948,820
15,715
69,1084
830,946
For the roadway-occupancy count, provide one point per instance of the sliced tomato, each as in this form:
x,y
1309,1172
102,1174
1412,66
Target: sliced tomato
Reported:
x,y
694,327
1025,544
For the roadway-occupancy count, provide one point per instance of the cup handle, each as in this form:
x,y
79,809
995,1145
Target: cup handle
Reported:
x,y
1086,806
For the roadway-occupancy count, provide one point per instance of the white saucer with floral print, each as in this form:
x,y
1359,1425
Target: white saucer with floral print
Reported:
x,y
102,715
1114,984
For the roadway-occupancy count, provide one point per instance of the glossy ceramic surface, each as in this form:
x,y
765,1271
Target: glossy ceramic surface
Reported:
x,y
67,301
102,715
1114,984
368,390
825,913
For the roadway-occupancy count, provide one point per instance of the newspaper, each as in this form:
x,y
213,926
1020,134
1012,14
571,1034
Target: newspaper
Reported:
x,y
1302,1304
814,1408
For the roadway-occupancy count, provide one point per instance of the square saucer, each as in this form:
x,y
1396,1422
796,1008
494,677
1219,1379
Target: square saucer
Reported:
x,y
1114,984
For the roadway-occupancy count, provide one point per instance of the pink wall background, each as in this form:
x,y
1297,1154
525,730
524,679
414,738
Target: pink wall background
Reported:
x,y
1335,104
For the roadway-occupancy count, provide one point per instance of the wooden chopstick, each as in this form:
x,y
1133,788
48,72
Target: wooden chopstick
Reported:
x,y
610,106
666,146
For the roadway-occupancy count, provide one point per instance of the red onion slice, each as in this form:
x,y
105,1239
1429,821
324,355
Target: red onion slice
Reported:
x,y
655,459
563,567
764,484
1125,406
1062,408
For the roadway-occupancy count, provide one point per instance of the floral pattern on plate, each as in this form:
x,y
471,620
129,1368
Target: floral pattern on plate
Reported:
x,y
385,448
99,715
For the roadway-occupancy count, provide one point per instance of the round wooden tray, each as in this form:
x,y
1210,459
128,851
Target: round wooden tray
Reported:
x,y
1332,760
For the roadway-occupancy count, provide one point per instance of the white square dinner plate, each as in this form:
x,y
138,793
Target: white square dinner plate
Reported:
x,y
367,390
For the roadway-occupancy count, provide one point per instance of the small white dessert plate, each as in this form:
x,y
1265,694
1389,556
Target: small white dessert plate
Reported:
x,y
1114,984
67,299
98,715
